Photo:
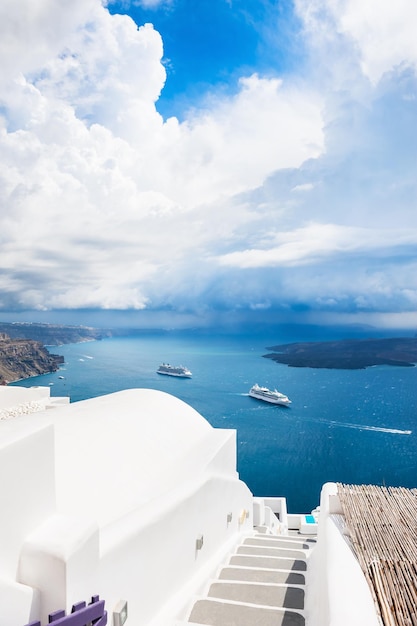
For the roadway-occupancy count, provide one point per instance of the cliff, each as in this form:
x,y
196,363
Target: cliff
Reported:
x,y
22,358
348,353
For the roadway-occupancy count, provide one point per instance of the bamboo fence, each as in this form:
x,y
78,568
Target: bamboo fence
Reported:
x,y
382,524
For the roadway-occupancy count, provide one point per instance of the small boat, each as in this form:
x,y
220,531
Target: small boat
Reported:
x,y
61,377
174,370
267,395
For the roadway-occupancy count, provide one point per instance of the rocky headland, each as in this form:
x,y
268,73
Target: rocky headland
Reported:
x,y
23,358
22,347
347,354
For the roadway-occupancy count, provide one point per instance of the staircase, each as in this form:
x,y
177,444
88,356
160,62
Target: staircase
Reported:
x,y
262,584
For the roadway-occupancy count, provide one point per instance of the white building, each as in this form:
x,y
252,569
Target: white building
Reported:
x,y
135,497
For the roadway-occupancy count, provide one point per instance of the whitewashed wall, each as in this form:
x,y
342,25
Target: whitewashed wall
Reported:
x,y
337,591
124,486
27,497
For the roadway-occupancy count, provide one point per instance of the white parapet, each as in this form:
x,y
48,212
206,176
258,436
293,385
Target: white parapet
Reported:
x,y
271,512
15,401
337,592
13,396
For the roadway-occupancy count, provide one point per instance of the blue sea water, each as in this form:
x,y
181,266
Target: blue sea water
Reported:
x,y
352,426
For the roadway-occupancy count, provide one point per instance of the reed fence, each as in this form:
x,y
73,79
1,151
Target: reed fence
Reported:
x,y
382,527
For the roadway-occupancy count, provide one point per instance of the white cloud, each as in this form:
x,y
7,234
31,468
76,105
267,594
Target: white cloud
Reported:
x,y
316,242
105,204
382,31
33,31
239,141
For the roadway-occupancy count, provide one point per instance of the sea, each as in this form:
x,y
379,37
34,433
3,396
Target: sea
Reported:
x,y
349,426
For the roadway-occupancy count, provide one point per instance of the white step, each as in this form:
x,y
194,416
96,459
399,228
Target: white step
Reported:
x,y
263,594
216,613
268,562
257,575
278,542
268,551
261,585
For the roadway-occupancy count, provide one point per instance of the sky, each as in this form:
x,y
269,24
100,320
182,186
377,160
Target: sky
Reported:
x,y
208,162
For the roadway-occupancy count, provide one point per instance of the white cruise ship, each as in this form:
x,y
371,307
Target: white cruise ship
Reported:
x,y
267,395
174,370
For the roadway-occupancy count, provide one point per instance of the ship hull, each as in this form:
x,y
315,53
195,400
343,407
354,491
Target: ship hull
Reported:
x,y
271,400
174,374
265,395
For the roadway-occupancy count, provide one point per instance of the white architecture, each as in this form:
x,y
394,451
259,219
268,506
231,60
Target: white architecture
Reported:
x,y
135,497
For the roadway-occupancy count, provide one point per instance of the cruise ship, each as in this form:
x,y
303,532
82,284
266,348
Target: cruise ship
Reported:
x,y
128,509
267,395
174,370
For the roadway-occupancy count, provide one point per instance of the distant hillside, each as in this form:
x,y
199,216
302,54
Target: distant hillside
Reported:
x,y
348,353
52,334
23,358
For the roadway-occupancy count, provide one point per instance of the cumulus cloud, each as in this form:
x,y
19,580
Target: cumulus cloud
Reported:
x,y
283,193
339,232
379,34
383,31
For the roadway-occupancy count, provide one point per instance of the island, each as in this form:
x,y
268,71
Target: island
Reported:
x,y
347,353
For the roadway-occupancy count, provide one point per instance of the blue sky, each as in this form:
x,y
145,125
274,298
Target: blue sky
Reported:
x,y
210,44
174,162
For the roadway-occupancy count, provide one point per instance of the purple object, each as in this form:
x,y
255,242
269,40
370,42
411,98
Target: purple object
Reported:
x,y
81,615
